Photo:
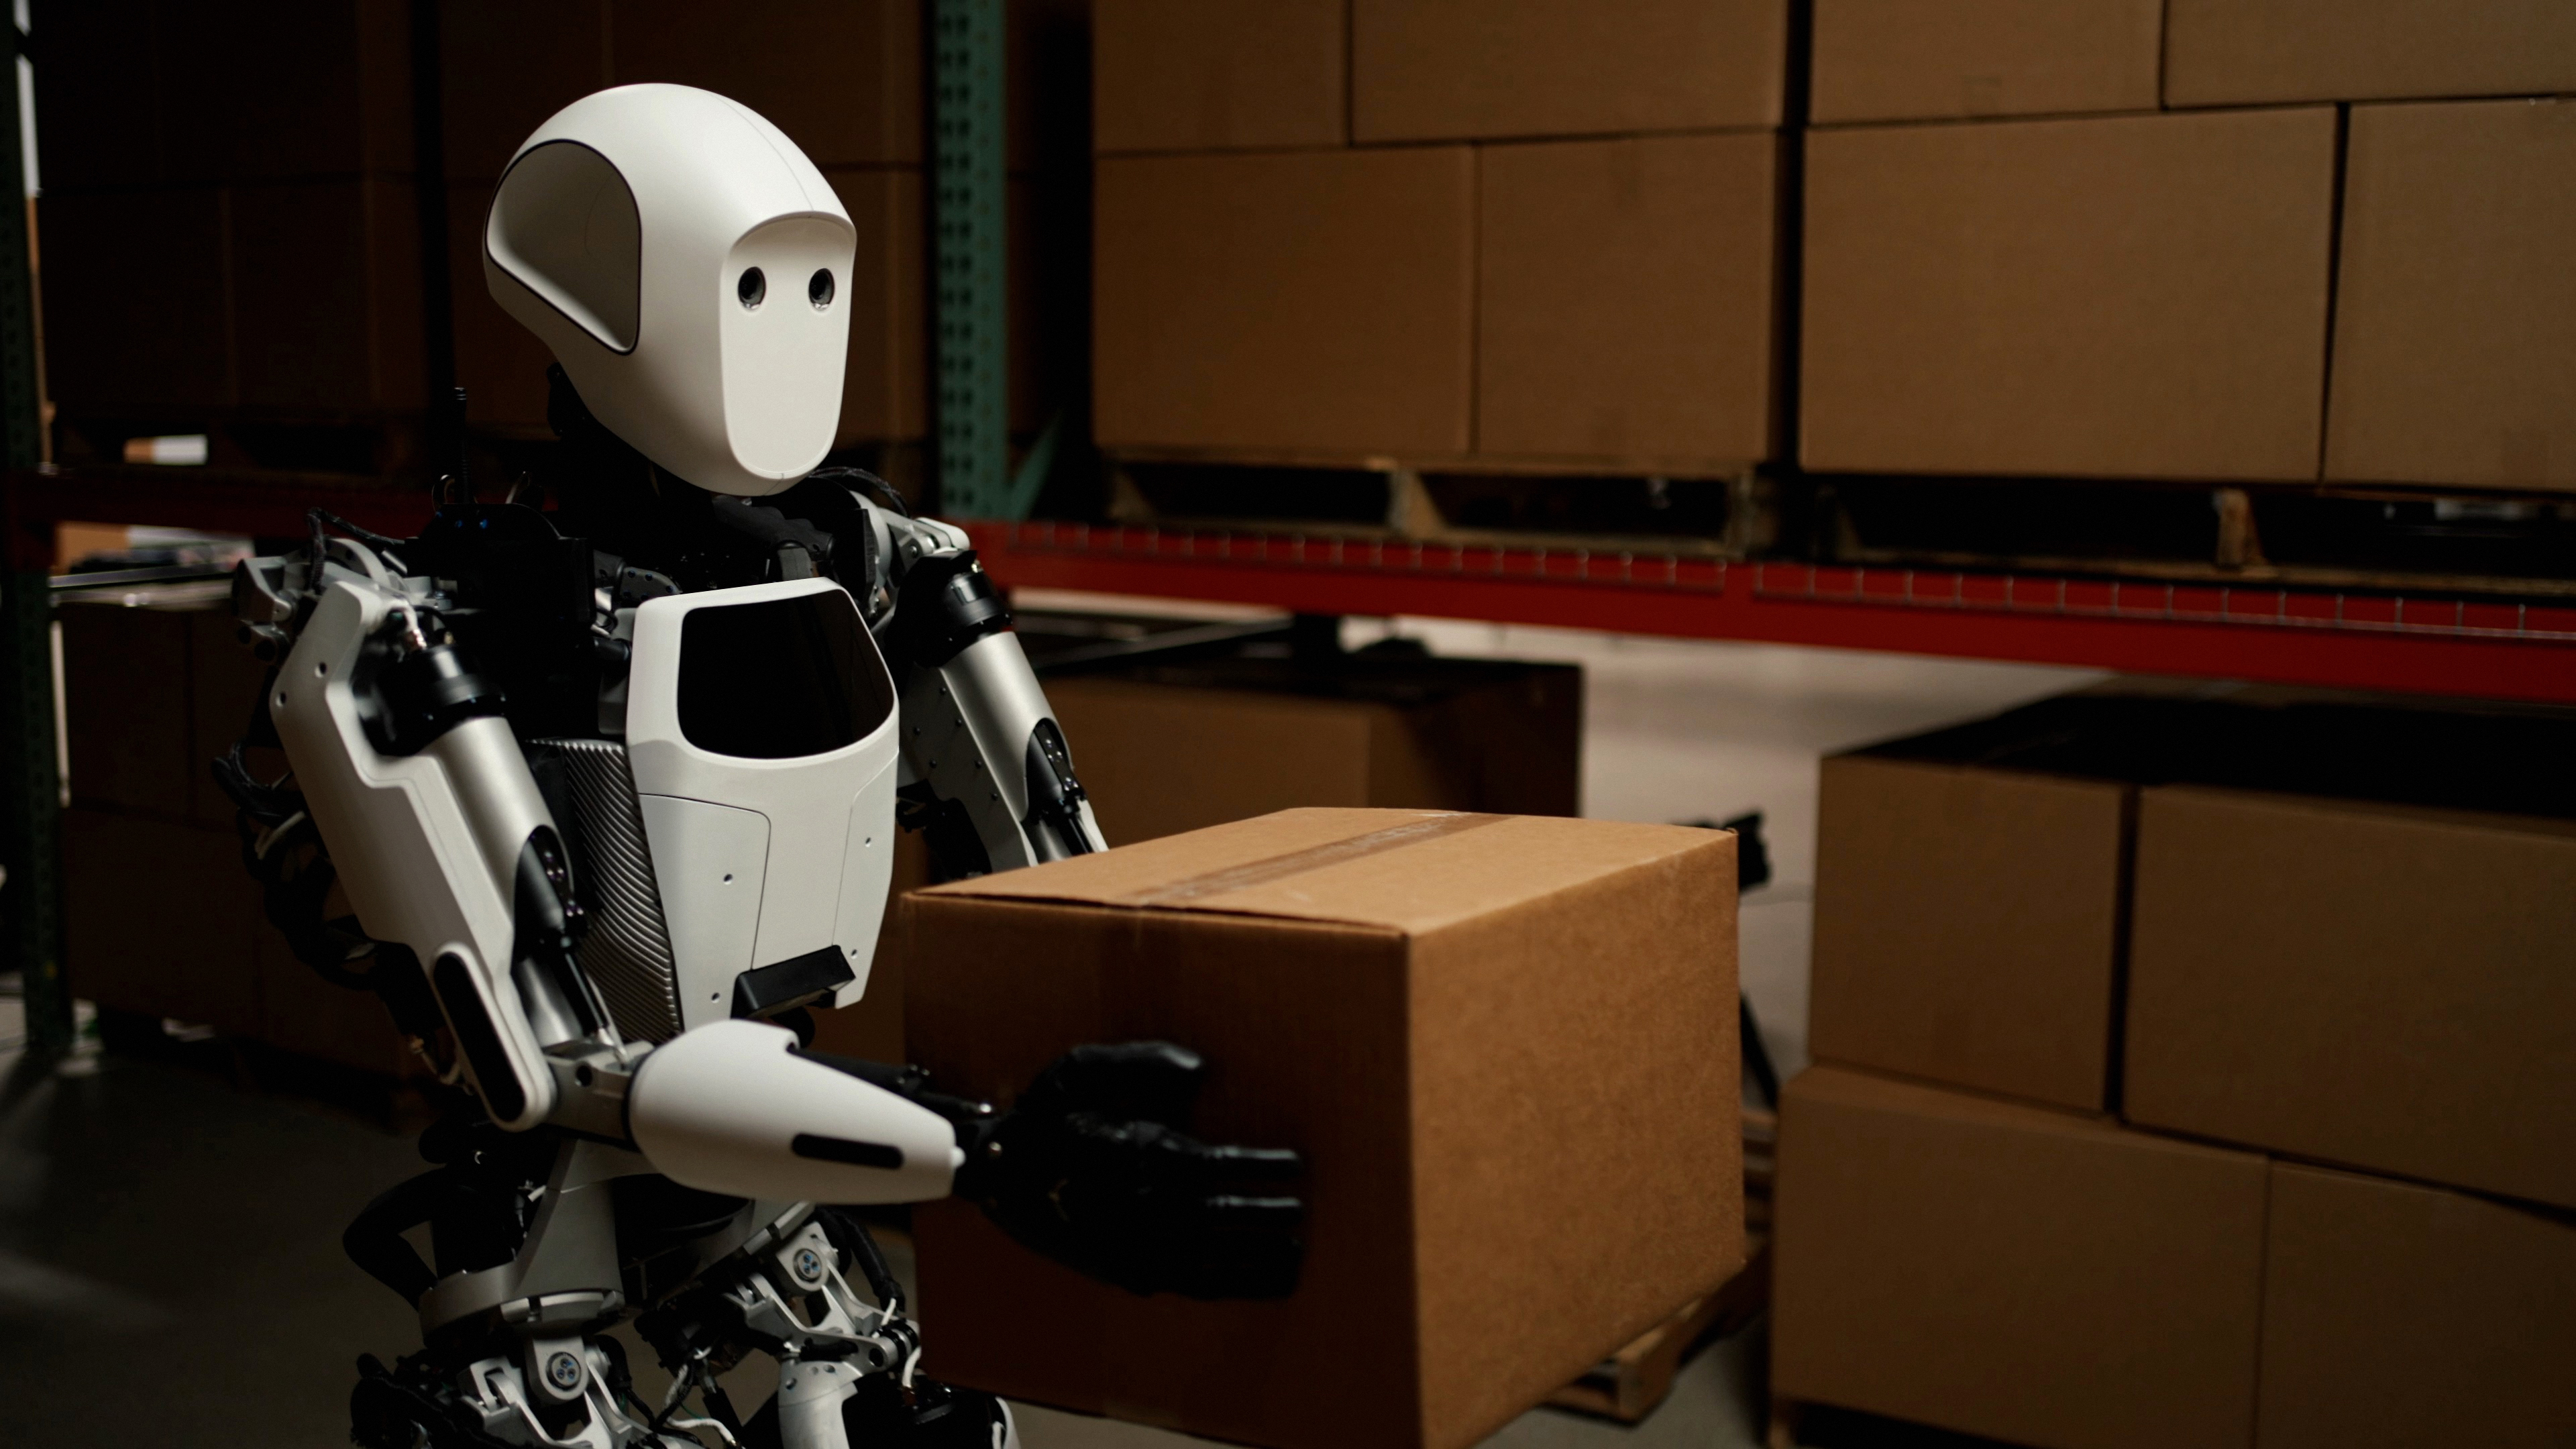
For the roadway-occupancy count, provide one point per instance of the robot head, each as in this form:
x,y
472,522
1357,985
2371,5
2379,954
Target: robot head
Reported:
x,y
687,265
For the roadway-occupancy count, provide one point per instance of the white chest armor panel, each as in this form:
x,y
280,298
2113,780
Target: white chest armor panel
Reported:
x,y
760,745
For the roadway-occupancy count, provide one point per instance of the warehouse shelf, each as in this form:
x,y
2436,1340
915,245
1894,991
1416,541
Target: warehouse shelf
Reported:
x,y
2466,646
2477,646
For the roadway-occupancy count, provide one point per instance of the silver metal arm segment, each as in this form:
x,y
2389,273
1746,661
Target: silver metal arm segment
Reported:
x,y
987,771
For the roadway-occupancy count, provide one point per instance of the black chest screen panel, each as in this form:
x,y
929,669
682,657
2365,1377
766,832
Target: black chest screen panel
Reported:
x,y
781,680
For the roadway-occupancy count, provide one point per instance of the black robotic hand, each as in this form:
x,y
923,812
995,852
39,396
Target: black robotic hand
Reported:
x,y
1091,1169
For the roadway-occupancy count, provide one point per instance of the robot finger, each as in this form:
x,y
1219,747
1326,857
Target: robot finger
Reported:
x,y
1146,1081
1215,1162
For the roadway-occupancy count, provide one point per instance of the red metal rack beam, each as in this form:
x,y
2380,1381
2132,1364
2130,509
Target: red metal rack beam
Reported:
x,y
2447,646
2451,646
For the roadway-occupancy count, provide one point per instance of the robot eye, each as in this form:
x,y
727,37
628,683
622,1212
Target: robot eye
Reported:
x,y
751,289
819,289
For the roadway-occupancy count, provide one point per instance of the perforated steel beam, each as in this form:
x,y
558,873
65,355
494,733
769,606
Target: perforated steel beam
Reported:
x,y
968,114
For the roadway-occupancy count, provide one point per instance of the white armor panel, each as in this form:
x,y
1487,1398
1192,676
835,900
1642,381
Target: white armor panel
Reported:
x,y
761,729
718,349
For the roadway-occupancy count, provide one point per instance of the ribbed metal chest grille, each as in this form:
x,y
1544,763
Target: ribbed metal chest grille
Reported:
x,y
627,949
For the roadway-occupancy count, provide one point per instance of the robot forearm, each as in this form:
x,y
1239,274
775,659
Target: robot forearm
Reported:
x,y
986,769
437,830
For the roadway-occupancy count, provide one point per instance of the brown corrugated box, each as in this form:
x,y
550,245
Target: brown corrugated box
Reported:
x,y
1436,70
300,297
1184,75
1308,301
2381,986
1506,1047
2113,297
2251,52
137,93
157,919
1167,749
1628,301
1910,60
2007,1271
841,77
325,301
135,264
2455,314
126,724
1968,925
2396,1316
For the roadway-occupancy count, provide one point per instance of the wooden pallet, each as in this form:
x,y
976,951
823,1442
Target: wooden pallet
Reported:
x,y
1628,1384
2303,536
1724,512
2309,536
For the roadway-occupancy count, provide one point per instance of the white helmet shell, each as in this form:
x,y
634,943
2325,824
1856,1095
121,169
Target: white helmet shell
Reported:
x,y
689,268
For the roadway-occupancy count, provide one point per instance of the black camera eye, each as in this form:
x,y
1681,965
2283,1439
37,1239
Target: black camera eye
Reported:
x,y
820,289
751,288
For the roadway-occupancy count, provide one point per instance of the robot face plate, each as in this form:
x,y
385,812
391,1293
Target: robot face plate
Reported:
x,y
687,265
761,728
786,335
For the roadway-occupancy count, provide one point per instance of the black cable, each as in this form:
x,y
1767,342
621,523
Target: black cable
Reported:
x,y
319,517
853,1238
884,491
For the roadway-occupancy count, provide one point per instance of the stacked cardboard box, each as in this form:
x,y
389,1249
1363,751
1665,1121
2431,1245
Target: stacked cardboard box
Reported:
x,y
2102,240
245,193
150,696
1534,230
229,222
2164,1035
842,80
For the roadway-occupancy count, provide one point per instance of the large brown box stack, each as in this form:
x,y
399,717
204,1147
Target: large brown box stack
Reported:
x,y
1539,230
2135,281
161,919
2332,931
1505,1046
229,226
2068,285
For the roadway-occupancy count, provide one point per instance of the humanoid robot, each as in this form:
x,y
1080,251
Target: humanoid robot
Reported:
x,y
613,790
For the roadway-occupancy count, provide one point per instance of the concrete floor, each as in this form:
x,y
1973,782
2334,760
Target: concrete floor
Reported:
x,y
170,1269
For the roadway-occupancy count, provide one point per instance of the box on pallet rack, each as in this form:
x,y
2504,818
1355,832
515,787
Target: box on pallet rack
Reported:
x,y
2123,296
1182,75
2264,52
1549,237
843,80
1926,60
1454,70
2455,310
150,696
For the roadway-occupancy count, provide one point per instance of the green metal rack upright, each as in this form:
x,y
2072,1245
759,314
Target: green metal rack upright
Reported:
x,y
30,799
968,114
